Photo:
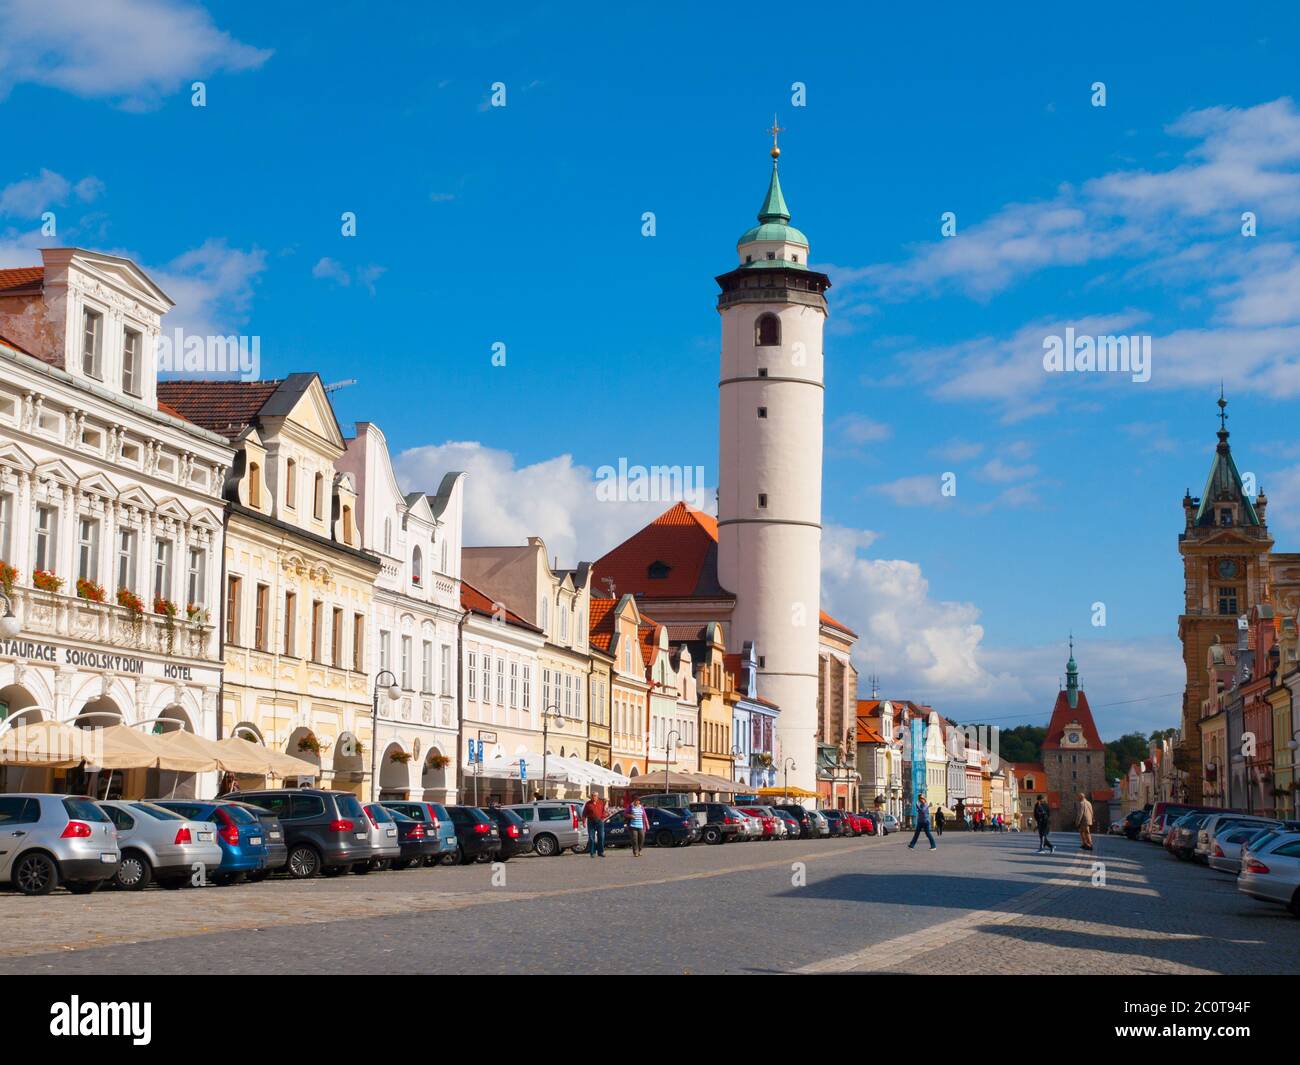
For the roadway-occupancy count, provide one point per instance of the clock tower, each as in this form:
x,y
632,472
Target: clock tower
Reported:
x,y
1073,756
1225,547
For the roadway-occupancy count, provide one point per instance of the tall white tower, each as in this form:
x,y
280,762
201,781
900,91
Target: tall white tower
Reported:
x,y
773,309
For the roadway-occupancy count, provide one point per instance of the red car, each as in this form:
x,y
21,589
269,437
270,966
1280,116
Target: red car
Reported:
x,y
769,821
858,825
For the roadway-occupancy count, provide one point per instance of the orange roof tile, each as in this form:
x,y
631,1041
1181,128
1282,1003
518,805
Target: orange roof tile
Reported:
x,y
826,619
21,277
600,622
867,732
680,549
1063,713
225,407
476,602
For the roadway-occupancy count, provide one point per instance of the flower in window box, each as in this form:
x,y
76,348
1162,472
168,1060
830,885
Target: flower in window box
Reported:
x,y
197,614
90,590
439,761
164,606
8,577
400,757
415,579
46,581
132,602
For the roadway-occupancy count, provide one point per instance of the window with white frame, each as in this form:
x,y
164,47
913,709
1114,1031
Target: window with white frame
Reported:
x,y
564,622
291,484
92,342
577,697
385,651
162,569
545,612
196,570
568,695
471,674
88,549
486,677
445,686
132,348
126,555
45,538
501,682
546,691
406,663
6,523
514,684
426,666
527,703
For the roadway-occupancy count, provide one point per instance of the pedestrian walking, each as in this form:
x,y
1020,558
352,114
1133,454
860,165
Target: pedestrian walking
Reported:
x,y
1043,820
594,813
1083,818
922,822
636,822
938,820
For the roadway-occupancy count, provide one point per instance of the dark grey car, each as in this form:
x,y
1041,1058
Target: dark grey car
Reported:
x,y
326,831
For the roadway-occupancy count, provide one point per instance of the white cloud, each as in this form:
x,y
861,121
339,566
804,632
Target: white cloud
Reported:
x,y
28,197
920,490
212,285
327,269
859,429
505,504
132,51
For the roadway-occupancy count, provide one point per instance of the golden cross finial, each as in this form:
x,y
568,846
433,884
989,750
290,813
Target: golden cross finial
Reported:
x,y
776,151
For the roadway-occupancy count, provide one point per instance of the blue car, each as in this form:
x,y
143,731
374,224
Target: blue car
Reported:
x,y
666,829
239,831
436,820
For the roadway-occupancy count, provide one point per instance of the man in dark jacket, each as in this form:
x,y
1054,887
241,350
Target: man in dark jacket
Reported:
x,y
938,820
1043,819
922,822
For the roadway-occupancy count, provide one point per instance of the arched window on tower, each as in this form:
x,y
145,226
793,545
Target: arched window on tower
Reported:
x,y
767,331
417,561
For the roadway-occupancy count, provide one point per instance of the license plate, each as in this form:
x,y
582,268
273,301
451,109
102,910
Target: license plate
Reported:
x,y
360,835
392,832
274,835
495,832
254,841
205,837
108,859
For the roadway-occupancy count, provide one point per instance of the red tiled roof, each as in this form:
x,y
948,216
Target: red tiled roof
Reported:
x,y
21,277
600,622
683,540
828,620
867,732
477,602
167,408
1063,713
648,633
225,407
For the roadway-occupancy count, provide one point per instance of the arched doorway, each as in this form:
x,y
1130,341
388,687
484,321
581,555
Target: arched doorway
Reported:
x,y
394,773
433,778
303,744
97,713
349,765
165,783
19,707
245,730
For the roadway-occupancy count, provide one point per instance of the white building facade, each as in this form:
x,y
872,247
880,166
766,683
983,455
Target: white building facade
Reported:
x,y
114,506
414,620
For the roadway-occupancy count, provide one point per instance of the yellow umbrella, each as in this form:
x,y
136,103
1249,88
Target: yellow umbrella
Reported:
x,y
42,744
119,747
793,793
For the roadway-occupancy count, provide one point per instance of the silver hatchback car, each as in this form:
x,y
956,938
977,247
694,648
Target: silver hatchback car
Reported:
x,y
162,845
556,825
47,840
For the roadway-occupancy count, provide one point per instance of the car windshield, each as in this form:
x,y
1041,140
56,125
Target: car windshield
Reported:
x,y
378,814
349,806
84,810
158,813
509,817
239,814
398,817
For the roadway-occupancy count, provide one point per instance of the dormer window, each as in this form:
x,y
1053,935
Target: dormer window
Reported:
x,y
317,496
658,571
290,484
767,331
347,525
1225,516
254,485
132,343
92,342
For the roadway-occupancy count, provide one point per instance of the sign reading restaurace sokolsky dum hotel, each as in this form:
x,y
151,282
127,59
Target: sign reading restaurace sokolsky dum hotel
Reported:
x,y
35,651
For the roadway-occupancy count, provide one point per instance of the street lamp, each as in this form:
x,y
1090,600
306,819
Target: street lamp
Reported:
x,y
394,693
559,723
9,624
787,765
668,754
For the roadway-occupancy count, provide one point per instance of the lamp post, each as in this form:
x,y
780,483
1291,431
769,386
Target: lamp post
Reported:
x,y
559,723
394,693
668,754
786,766
10,626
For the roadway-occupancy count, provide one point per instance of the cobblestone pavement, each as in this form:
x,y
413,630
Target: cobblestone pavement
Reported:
x,y
979,904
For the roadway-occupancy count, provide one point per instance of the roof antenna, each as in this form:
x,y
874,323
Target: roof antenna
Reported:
x,y
340,384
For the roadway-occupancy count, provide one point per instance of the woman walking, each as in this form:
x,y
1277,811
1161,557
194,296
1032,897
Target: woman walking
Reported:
x,y
636,822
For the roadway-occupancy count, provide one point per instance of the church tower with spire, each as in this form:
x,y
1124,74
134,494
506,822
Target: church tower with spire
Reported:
x,y
1225,547
1074,758
773,309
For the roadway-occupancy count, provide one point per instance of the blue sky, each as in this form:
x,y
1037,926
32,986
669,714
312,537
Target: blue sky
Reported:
x,y
521,225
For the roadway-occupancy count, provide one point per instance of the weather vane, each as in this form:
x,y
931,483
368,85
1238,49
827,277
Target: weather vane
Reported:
x,y
776,151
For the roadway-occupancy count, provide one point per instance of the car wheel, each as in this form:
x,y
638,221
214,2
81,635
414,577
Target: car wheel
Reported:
x,y
35,874
84,887
664,839
304,862
450,858
361,868
1294,904
546,846
712,835
134,873
463,858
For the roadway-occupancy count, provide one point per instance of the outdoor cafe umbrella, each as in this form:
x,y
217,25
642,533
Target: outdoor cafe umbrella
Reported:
x,y
256,760
789,793
42,745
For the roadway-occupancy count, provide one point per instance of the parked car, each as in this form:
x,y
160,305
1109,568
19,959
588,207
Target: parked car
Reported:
x,y
477,835
437,826
823,825
694,822
773,826
872,818
48,840
1213,824
722,823
1133,823
555,825
1164,814
1227,846
751,825
239,833
802,817
859,823
1271,871
887,823
414,843
516,836
326,831
839,822
1180,838
277,853
160,844
385,839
